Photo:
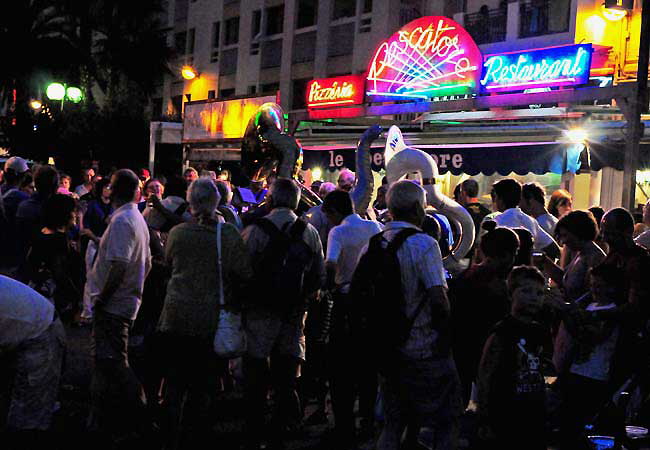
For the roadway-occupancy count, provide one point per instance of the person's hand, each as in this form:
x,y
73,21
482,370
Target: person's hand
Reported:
x,y
154,202
539,260
554,297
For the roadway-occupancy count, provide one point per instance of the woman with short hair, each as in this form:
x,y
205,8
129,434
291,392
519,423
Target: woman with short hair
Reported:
x,y
189,317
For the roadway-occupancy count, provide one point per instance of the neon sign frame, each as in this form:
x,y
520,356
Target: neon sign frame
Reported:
x,y
566,65
430,56
337,91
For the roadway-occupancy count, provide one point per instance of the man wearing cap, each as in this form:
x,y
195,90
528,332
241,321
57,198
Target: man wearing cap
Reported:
x,y
15,169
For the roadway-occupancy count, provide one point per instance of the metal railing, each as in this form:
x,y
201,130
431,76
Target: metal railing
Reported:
x,y
540,17
487,26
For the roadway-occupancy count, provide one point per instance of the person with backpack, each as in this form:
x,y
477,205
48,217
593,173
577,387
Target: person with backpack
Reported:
x,y
401,290
350,233
288,271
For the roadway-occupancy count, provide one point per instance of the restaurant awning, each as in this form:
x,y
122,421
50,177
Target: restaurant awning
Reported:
x,y
472,159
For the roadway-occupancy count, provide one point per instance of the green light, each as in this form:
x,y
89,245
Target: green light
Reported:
x,y
55,91
74,94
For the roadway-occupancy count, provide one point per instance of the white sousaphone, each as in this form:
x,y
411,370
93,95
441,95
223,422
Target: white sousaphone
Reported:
x,y
401,160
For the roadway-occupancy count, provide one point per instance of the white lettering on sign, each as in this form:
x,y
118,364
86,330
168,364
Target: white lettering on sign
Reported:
x,y
378,159
457,161
443,159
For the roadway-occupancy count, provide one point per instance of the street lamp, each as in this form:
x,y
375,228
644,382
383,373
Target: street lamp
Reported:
x,y
58,91
615,10
189,72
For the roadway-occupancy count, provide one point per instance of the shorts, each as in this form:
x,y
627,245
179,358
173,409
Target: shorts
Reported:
x,y
268,333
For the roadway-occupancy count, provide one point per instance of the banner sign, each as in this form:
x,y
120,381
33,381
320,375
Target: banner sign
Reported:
x,y
430,56
556,66
471,159
210,120
338,91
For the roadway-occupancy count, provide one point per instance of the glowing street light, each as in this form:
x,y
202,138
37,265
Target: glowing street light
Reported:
x,y
576,135
35,104
74,94
189,72
55,91
615,10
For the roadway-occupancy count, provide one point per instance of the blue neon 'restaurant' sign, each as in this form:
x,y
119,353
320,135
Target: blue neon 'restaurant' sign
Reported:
x,y
556,66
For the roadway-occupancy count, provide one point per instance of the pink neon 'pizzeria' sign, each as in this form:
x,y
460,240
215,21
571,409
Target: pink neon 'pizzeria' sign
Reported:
x,y
427,57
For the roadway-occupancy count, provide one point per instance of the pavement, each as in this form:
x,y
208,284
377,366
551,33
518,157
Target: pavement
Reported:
x,y
226,418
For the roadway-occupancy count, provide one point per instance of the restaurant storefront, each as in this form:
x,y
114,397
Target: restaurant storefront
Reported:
x,y
511,114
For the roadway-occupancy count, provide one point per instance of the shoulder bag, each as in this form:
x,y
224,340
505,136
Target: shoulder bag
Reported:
x,y
230,337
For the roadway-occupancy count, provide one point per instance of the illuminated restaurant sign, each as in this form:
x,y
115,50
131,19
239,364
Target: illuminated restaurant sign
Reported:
x,y
338,91
430,56
554,66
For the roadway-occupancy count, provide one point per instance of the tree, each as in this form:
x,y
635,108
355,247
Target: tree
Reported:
x,y
38,41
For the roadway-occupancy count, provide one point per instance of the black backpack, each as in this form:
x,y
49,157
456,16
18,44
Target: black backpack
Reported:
x,y
376,288
281,271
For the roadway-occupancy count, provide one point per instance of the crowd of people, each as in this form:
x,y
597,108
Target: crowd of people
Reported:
x,y
350,312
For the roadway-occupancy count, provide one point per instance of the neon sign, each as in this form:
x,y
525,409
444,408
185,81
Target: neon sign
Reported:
x,y
338,91
555,66
430,56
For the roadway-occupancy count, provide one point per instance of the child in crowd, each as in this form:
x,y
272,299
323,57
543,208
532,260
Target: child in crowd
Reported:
x,y
511,387
585,381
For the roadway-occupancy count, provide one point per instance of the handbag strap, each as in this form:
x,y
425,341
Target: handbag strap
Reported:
x,y
219,266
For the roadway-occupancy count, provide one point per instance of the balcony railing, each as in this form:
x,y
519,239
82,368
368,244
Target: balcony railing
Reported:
x,y
540,17
487,26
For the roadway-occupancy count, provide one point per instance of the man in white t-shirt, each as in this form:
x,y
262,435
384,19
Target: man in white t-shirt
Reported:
x,y
33,337
116,282
507,196
532,203
350,233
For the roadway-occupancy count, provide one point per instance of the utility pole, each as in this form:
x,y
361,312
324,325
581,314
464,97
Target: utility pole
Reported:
x,y
636,107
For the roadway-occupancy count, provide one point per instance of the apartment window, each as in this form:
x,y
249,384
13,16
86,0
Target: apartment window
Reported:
x,y
298,100
270,88
365,25
274,20
232,31
256,23
341,40
225,93
344,8
367,6
228,64
179,42
216,34
307,12
304,47
191,38
271,55
211,94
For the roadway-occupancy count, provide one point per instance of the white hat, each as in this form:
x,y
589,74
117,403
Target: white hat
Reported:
x,y
17,164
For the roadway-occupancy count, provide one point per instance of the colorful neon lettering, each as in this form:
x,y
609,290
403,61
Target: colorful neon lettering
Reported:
x,y
426,57
330,95
548,67
345,90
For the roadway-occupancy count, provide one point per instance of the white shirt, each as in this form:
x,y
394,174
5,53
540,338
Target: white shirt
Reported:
x,y
547,222
515,217
127,240
24,313
345,242
317,218
81,190
643,239
421,269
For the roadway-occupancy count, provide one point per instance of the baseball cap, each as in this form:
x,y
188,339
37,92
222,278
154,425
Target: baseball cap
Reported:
x,y
144,173
17,164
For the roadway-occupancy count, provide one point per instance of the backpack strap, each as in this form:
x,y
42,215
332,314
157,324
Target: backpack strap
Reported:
x,y
270,229
400,238
297,229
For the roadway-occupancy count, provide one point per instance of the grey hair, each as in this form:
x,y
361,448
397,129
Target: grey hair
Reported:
x,y
203,197
284,194
326,188
403,196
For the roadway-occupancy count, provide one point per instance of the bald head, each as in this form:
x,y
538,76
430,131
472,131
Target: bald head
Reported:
x,y
406,202
617,227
